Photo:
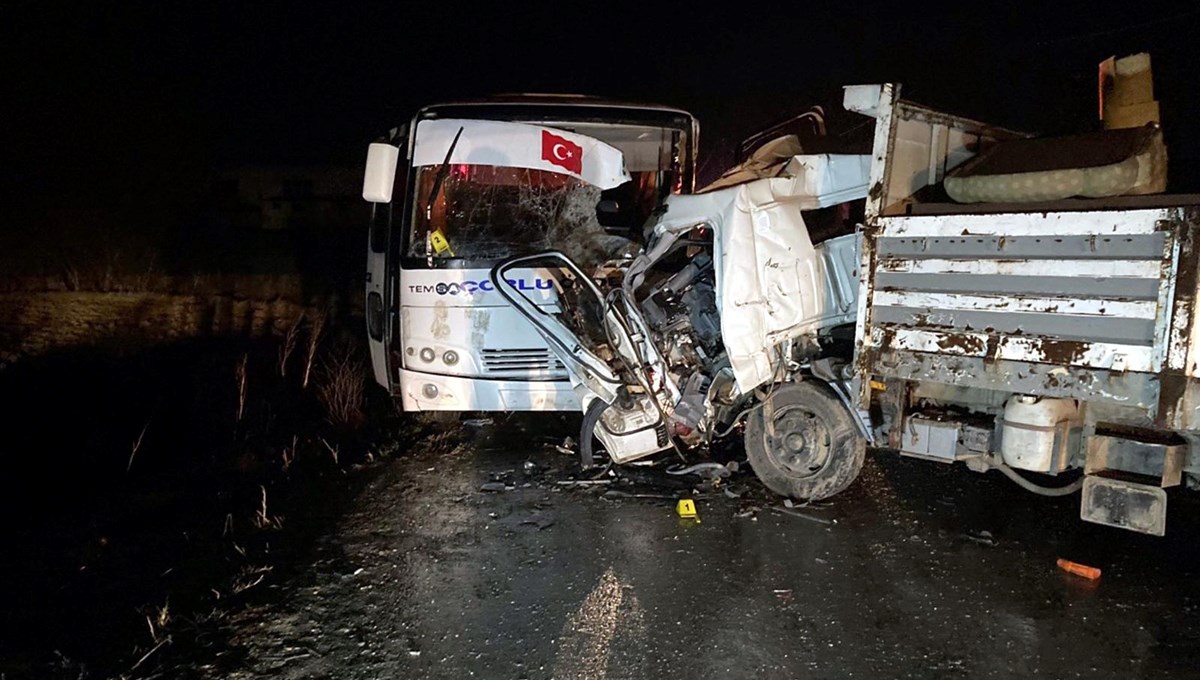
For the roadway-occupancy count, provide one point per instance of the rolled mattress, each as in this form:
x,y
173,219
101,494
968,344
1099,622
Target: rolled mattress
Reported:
x,y
1093,165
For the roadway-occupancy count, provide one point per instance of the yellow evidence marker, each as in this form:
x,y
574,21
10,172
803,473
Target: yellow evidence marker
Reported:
x,y
686,508
440,245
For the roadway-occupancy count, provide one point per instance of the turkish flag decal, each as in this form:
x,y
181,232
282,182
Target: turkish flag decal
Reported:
x,y
562,152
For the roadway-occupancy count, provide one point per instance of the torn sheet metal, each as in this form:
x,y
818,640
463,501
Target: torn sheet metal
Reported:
x,y
519,145
772,284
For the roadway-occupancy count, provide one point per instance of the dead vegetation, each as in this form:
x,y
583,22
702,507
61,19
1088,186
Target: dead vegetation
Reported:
x,y
341,385
316,328
240,377
262,518
137,445
288,345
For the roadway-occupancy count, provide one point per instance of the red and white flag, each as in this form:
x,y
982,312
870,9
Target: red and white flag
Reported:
x,y
562,152
519,145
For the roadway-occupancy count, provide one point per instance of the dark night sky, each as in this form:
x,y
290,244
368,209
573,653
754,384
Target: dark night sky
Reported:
x,y
135,98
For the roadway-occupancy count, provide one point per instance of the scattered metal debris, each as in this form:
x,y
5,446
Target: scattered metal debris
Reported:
x,y
706,469
539,521
788,511
583,482
616,493
807,505
983,537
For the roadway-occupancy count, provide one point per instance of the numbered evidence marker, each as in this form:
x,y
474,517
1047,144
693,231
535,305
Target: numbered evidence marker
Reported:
x,y
440,245
686,508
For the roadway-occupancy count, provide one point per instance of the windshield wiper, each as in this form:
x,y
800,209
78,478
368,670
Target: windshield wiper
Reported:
x,y
437,188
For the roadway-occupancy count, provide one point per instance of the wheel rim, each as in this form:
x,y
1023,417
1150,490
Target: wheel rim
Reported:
x,y
797,441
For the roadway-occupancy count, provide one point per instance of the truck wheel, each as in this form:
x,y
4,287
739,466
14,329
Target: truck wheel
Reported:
x,y
810,449
587,433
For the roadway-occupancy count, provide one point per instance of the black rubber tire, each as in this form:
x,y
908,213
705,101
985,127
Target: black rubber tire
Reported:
x,y
587,433
814,473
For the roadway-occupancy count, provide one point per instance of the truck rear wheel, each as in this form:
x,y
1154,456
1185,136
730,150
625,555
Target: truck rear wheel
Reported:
x,y
810,449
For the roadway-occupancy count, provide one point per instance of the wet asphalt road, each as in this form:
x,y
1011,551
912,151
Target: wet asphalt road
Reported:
x,y
918,571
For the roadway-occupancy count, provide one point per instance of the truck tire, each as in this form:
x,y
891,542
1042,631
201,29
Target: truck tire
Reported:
x,y
587,433
811,448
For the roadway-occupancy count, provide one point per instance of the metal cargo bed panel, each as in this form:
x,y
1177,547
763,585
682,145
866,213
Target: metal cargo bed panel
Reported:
x,y
1082,298
1046,289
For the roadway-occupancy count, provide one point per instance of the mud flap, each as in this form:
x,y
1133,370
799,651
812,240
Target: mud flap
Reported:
x,y
1124,505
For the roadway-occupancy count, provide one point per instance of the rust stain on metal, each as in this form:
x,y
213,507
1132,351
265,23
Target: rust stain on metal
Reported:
x,y
1062,352
1173,382
961,344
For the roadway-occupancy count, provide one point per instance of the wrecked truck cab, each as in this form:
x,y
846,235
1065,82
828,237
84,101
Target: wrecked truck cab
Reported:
x,y
719,319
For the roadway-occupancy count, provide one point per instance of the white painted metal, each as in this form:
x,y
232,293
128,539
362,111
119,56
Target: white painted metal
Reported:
x,y
496,348
1033,434
1015,348
380,175
1034,267
883,112
771,282
1133,309
919,145
1101,223
454,393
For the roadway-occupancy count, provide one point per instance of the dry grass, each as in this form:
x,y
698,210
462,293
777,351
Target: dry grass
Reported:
x,y
315,330
288,455
158,620
240,375
248,577
137,444
289,345
340,387
333,450
263,519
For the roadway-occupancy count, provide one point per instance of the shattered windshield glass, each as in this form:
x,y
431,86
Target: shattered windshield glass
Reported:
x,y
491,212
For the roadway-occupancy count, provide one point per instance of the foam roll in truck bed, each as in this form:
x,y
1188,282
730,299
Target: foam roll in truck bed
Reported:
x,y
1094,165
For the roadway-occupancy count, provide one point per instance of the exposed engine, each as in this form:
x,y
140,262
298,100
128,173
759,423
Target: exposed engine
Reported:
x,y
681,310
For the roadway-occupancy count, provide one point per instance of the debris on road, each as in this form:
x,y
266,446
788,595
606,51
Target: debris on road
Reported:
x,y
570,483
784,594
794,513
984,537
748,513
495,486
538,520
477,422
708,470
615,493
567,447
1090,573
